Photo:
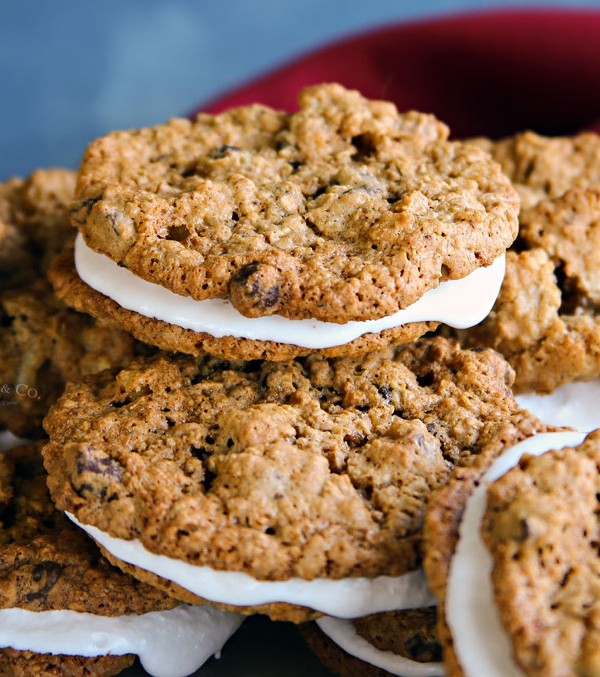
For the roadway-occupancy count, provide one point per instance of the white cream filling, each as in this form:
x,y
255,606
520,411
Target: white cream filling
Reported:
x,y
171,643
344,598
344,634
8,441
480,642
576,405
459,303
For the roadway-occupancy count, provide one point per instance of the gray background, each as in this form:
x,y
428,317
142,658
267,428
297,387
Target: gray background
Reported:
x,y
72,70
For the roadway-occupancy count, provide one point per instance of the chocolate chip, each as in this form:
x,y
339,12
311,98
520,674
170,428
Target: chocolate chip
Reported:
x,y
46,573
90,461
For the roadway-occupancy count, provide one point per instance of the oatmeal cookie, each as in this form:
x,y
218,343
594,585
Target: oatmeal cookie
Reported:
x,y
409,633
46,563
345,210
312,468
540,528
546,320
34,223
43,344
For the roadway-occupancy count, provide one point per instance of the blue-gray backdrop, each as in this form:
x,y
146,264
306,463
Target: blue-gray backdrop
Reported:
x,y
70,71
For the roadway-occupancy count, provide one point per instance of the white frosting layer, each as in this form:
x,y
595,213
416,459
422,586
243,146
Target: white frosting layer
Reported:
x,y
171,643
219,318
344,634
576,405
344,598
480,642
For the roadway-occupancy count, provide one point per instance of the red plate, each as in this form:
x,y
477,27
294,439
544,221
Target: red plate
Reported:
x,y
490,73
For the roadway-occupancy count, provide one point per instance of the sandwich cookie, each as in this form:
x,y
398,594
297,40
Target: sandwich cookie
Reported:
x,y
546,320
391,643
316,227
293,489
512,555
65,610
42,342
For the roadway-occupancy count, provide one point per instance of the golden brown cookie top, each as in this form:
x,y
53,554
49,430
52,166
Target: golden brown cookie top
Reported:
x,y
542,530
46,562
313,468
544,167
345,210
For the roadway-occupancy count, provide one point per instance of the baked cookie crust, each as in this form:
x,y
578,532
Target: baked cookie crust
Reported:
x,y
541,528
409,633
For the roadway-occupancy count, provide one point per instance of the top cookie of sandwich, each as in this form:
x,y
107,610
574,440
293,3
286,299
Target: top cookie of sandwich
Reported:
x,y
345,210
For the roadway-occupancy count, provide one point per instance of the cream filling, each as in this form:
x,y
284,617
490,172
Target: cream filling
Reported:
x,y
344,634
171,643
480,642
459,303
576,405
8,441
344,598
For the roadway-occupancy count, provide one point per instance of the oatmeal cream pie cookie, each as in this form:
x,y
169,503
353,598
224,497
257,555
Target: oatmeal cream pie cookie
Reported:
x,y
64,610
546,320
340,228
283,488
42,342
512,555
390,643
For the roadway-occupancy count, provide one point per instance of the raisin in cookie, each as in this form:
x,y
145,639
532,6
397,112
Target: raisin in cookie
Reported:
x,y
284,473
512,549
345,211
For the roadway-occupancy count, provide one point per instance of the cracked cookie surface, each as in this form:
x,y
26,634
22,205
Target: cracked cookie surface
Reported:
x,y
313,468
542,167
345,210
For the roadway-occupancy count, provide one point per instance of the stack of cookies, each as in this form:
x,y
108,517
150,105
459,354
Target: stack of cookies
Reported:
x,y
253,419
